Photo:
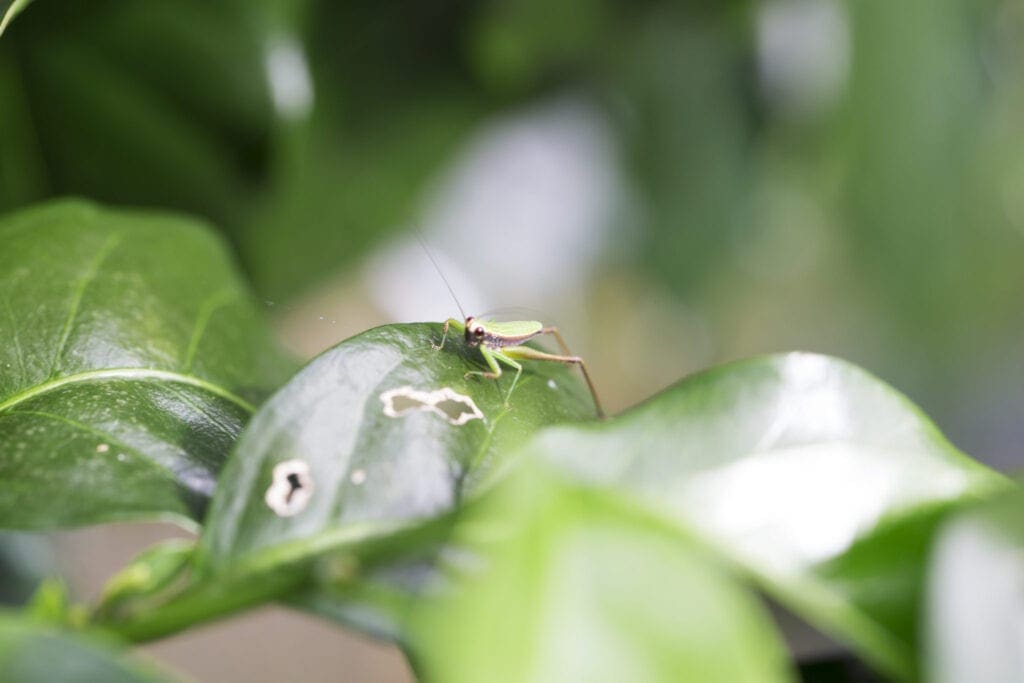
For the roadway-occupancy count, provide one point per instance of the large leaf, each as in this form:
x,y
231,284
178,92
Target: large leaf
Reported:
x,y
130,357
816,478
366,468
33,653
364,453
975,601
557,584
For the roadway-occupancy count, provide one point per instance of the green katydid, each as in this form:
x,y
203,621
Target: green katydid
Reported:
x,y
502,342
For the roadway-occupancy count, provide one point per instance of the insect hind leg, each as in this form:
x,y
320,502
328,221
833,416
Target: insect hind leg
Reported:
x,y
492,358
527,353
553,331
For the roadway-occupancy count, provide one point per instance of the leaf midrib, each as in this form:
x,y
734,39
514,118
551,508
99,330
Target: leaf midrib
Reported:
x,y
143,374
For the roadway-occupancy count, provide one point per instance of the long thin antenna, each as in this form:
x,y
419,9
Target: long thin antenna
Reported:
x,y
423,243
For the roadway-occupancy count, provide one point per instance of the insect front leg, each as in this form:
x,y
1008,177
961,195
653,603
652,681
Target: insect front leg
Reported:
x,y
492,363
450,322
558,337
492,357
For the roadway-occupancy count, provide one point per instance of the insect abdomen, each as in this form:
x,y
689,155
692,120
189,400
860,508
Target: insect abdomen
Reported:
x,y
498,341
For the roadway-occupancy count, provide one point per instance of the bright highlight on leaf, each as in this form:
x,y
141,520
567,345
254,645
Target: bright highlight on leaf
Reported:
x,y
564,585
975,602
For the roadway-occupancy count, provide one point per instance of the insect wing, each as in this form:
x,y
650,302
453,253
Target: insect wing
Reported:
x,y
516,328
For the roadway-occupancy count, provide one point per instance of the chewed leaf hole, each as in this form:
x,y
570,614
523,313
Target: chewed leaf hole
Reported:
x,y
401,404
290,489
456,411
455,408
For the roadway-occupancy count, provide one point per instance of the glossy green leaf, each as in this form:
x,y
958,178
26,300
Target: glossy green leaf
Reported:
x,y
33,653
366,471
556,584
819,480
131,355
975,601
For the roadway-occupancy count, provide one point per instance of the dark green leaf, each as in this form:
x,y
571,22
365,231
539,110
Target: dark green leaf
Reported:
x,y
142,103
130,356
556,584
820,481
25,560
32,653
975,602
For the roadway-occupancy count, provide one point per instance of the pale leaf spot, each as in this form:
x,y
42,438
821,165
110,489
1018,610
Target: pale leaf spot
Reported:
x,y
291,488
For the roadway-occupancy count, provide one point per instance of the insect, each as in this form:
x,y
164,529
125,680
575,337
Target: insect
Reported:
x,y
502,342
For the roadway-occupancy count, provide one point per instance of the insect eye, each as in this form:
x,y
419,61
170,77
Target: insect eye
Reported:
x,y
479,331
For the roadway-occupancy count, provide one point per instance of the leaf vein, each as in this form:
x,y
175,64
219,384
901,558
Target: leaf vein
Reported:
x,y
206,311
128,374
215,419
79,291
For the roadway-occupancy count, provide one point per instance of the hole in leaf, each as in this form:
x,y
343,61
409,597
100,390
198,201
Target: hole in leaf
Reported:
x,y
402,404
455,408
290,489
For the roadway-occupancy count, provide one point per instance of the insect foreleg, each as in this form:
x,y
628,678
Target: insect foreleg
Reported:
x,y
444,332
492,357
492,363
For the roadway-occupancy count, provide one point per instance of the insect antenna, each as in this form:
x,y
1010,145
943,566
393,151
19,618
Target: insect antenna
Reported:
x,y
423,243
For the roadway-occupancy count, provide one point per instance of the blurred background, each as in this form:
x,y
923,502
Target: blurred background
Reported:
x,y
676,184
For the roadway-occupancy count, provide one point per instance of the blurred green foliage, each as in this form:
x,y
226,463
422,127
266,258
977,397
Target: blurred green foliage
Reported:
x,y
900,180
841,175
24,561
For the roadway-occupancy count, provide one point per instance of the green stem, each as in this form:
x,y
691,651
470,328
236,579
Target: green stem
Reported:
x,y
268,575
202,603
